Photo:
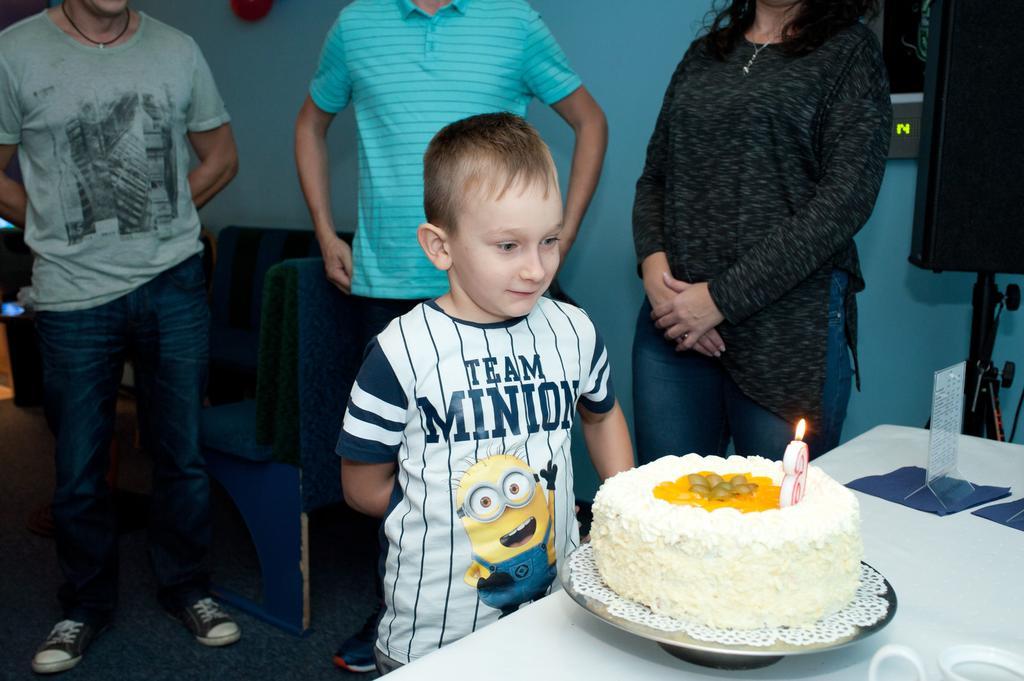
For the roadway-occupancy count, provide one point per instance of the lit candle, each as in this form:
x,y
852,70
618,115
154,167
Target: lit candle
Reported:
x,y
794,465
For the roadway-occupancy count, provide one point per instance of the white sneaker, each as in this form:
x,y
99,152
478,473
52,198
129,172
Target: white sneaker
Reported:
x,y
64,647
209,624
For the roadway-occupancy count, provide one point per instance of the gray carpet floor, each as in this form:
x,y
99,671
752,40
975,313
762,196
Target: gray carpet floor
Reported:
x,y
144,643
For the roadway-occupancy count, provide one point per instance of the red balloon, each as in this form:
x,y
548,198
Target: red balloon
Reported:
x,y
251,10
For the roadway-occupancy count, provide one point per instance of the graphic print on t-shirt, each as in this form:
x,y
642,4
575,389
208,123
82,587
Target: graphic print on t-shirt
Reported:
x,y
499,397
120,174
511,529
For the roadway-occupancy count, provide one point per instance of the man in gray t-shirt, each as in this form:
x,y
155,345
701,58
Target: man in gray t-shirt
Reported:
x,y
103,105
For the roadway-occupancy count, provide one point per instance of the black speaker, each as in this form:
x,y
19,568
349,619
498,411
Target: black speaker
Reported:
x,y
969,209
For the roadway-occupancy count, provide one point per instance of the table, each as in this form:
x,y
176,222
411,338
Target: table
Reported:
x,y
958,579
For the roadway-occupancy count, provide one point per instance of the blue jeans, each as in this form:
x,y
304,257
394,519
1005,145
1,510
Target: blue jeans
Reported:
x,y
686,402
164,327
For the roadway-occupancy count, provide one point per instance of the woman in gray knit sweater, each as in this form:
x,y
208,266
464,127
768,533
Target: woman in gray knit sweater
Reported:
x,y
765,161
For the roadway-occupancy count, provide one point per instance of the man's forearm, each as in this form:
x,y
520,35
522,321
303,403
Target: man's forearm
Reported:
x,y
587,160
13,201
218,162
209,177
311,164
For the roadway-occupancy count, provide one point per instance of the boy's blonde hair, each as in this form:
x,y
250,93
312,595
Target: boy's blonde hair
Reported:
x,y
488,152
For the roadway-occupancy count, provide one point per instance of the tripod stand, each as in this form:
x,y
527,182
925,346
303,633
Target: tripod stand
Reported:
x,y
983,417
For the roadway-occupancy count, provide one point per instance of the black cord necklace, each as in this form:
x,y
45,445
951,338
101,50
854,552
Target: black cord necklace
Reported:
x,y
128,21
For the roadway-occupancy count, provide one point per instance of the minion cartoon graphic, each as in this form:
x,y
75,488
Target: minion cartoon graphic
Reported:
x,y
511,529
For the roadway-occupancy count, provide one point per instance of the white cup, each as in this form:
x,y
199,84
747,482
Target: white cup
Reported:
x,y
976,662
894,662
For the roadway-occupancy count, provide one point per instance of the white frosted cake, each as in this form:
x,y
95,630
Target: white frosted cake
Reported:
x,y
734,566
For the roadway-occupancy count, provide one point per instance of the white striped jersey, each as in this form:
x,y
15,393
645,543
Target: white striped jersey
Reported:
x,y
477,418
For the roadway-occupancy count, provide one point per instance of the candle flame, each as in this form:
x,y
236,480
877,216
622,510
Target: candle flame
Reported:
x,y
801,428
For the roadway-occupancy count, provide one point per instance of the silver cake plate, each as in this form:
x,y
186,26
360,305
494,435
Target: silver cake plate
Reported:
x,y
722,655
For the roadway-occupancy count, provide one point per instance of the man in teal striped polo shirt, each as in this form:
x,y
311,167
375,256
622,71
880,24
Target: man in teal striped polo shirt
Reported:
x,y
410,67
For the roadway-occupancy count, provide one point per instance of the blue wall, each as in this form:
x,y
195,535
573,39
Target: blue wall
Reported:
x,y
912,322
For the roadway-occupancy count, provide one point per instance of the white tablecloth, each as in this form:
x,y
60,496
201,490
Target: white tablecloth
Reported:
x,y
958,579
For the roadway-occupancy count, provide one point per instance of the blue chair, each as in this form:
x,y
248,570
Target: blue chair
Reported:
x,y
244,254
275,455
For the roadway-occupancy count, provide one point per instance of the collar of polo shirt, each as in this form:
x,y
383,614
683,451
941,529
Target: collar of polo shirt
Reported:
x,y
407,7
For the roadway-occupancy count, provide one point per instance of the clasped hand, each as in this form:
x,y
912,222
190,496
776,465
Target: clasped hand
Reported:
x,y
689,318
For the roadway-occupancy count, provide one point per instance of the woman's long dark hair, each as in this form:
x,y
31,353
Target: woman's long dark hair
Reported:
x,y
813,22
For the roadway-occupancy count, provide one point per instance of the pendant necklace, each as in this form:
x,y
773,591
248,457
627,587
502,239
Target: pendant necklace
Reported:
x,y
757,51
128,20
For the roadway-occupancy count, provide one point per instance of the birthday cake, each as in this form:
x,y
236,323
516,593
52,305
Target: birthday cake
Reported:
x,y
703,538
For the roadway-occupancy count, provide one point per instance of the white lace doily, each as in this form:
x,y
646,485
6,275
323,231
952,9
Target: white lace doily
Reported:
x,y
867,608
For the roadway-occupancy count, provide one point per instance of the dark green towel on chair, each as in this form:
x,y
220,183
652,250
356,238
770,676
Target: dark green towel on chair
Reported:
x,y
277,389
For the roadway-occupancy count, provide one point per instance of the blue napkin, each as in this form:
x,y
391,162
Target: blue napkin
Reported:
x,y
895,486
1001,513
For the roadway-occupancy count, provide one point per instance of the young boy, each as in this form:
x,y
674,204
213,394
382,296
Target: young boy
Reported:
x,y
458,429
